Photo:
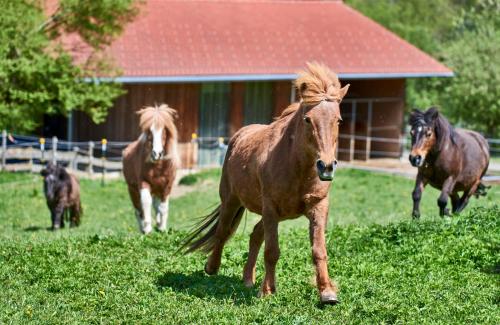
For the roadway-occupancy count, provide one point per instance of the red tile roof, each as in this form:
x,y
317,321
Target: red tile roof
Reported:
x,y
259,39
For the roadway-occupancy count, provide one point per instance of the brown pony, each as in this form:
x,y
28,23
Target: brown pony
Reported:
x,y
150,164
280,171
451,160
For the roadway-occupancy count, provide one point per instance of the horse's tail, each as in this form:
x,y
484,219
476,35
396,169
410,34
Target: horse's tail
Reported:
x,y
481,190
201,239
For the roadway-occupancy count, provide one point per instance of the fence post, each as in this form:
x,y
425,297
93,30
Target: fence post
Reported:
x,y
91,158
4,149
104,143
54,150
31,159
74,162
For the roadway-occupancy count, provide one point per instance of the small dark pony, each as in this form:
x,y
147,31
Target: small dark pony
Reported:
x,y
62,192
451,160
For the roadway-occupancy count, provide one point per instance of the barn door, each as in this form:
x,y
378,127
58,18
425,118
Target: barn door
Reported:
x,y
213,121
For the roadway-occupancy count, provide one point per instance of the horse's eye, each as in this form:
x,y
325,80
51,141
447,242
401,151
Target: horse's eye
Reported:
x,y
307,119
428,134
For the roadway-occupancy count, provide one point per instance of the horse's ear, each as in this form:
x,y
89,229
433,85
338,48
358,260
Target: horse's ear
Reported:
x,y
44,172
343,91
433,113
302,88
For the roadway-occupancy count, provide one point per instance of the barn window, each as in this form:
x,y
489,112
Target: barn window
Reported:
x,y
213,121
214,108
258,103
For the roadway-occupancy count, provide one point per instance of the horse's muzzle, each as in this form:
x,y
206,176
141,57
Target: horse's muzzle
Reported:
x,y
416,160
155,156
326,171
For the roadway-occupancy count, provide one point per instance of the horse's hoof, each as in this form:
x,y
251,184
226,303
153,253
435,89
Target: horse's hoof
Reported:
x,y
210,271
329,298
147,229
248,283
162,229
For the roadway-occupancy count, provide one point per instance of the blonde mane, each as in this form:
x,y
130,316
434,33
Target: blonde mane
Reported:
x,y
315,84
161,117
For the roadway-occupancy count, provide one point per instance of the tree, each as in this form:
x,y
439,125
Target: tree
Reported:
x,y
472,98
38,74
464,35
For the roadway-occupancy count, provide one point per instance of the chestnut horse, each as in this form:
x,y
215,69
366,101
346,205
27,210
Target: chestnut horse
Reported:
x,y
451,160
150,164
279,171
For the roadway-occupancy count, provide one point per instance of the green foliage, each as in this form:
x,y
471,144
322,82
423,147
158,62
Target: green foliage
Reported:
x,y
432,271
37,74
464,35
473,97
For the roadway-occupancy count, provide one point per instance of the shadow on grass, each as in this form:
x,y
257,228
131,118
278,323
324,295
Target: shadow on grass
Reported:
x,y
201,285
36,228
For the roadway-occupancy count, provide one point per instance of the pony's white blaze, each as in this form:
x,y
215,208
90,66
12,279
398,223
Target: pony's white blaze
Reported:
x,y
163,214
157,140
146,201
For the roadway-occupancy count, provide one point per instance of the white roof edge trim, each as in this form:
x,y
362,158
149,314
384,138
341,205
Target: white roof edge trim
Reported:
x,y
262,77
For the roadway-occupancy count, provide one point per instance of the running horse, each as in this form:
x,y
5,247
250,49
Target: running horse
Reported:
x,y
280,171
150,164
451,160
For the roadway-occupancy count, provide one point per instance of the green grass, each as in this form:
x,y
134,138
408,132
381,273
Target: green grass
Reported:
x,y
389,268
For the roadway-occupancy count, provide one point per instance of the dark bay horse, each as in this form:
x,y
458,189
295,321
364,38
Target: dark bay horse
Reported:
x,y
279,171
62,193
451,160
150,164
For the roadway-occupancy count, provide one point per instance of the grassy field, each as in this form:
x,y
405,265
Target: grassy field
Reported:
x,y
389,269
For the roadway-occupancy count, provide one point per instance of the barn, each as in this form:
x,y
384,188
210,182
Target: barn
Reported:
x,y
225,64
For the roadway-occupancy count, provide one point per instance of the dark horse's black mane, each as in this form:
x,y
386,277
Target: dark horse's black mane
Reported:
x,y
442,128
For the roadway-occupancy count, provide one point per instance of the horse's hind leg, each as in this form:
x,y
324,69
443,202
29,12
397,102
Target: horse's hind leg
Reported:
x,y
75,215
466,196
256,239
230,213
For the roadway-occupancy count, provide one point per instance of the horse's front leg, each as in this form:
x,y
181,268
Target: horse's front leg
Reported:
x,y
57,219
446,190
318,216
271,251
146,202
417,195
162,214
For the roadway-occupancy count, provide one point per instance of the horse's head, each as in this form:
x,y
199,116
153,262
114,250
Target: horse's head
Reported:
x,y
321,94
52,176
159,131
423,134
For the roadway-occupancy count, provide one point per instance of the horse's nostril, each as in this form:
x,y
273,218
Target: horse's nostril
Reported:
x,y
320,164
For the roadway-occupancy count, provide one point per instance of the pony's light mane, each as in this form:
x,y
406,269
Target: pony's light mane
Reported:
x,y
159,116
315,84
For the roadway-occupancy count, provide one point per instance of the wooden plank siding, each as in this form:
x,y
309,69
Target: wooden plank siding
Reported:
x,y
122,122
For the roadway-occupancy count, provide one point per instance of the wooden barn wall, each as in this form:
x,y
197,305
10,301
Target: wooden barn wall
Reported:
x,y
122,124
387,116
